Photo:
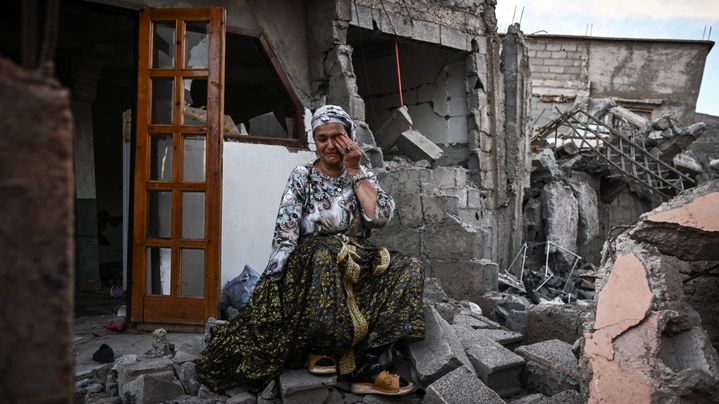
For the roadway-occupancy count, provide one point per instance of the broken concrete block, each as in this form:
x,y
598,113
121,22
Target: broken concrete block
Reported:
x,y
187,375
436,207
373,156
151,388
561,212
498,367
471,320
299,386
460,386
588,205
127,372
440,352
417,147
364,134
465,279
686,227
399,122
549,321
433,291
508,339
544,167
551,367
238,395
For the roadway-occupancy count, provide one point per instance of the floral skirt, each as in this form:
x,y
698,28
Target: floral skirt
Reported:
x,y
338,296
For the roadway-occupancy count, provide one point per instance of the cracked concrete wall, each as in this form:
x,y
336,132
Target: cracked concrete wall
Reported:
x,y
37,194
645,343
659,75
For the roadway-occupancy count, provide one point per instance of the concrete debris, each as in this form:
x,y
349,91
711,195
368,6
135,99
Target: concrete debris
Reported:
x,y
714,164
498,367
440,352
645,343
685,162
417,147
300,386
564,322
551,367
460,386
151,388
390,131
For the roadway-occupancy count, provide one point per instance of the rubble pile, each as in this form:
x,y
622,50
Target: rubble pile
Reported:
x,y
645,342
464,358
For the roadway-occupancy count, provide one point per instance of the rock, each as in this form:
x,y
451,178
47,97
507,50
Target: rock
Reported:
x,y
150,389
564,322
127,372
544,167
300,386
440,352
551,367
417,147
187,375
498,367
460,386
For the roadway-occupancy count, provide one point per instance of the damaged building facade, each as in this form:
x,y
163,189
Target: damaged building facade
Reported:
x,y
181,152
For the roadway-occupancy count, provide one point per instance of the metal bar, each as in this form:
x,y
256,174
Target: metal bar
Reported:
x,y
614,164
645,152
622,154
524,257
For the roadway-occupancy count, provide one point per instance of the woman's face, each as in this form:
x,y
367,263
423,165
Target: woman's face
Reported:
x,y
325,139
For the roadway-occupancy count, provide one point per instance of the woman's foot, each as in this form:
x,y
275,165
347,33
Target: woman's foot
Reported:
x,y
385,383
321,365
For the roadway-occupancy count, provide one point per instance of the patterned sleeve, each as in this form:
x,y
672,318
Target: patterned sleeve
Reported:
x,y
384,207
287,226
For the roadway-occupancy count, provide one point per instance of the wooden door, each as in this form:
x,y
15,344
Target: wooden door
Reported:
x,y
178,162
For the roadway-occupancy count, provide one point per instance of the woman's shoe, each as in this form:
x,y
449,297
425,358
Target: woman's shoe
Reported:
x,y
385,383
321,365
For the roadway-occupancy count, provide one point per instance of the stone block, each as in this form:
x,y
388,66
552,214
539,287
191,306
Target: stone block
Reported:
x,y
151,388
549,321
474,321
435,208
451,241
390,131
127,372
454,38
460,386
299,386
498,367
551,367
187,374
509,339
466,280
364,134
417,147
426,31
399,238
440,352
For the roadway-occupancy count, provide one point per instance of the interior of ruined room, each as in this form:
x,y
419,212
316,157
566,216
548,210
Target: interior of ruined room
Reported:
x,y
565,223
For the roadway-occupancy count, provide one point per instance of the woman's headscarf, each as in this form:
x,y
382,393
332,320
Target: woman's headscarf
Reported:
x,y
334,114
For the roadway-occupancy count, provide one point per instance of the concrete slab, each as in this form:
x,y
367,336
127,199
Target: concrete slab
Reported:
x,y
551,367
460,386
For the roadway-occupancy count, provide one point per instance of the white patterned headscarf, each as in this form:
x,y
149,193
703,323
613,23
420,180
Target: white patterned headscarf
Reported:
x,y
334,114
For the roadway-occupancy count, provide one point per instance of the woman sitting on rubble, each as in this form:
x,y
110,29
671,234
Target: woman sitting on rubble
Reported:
x,y
328,295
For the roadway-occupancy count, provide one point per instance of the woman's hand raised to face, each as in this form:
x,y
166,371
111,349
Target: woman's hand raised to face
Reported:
x,y
351,152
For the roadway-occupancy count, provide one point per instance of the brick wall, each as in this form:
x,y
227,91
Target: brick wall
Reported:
x,y
555,60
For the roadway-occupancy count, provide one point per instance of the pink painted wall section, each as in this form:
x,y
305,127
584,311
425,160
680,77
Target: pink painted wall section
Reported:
x,y
702,213
624,302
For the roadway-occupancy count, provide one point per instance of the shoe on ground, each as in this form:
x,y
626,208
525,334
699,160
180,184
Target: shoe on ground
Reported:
x,y
321,365
385,383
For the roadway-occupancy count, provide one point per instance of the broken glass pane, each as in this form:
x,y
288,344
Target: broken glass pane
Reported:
x,y
193,165
193,272
161,157
193,215
196,45
195,112
163,96
163,45
159,271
